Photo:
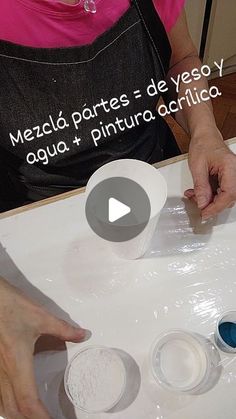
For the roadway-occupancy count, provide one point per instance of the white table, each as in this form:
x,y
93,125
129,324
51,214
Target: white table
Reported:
x,y
185,281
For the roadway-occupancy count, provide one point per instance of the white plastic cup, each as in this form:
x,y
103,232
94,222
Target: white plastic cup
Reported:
x,y
183,362
95,379
228,317
153,183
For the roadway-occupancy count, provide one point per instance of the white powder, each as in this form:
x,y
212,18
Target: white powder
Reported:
x,y
96,379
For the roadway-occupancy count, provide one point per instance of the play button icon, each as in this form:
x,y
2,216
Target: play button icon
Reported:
x,y
117,209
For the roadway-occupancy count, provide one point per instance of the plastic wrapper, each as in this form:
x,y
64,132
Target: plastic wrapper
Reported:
x,y
186,280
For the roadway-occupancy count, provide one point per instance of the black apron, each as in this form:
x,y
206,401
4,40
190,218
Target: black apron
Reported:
x,y
64,112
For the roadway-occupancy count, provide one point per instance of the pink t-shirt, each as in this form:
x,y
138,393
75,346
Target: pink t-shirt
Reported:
x,y
51,23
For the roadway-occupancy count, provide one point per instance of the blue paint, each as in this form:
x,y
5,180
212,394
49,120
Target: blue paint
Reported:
x,y
227,332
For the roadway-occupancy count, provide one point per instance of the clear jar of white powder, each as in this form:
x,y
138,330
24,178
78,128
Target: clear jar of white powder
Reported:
x,y
95,379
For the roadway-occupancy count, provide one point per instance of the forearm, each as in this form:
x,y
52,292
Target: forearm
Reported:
x,y
197,119
208,155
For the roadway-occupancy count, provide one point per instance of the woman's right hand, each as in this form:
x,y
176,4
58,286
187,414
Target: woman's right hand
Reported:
x,y
22,322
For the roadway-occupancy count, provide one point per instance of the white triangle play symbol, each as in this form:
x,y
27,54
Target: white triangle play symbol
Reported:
x,y
117,210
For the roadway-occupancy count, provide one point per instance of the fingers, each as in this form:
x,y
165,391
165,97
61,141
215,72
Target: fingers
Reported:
x,y
9,406
189,193
1,404
64,331
21,375
221,201
202,188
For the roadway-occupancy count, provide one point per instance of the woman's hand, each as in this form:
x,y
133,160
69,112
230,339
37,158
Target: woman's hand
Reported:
x,y
21,324
211,160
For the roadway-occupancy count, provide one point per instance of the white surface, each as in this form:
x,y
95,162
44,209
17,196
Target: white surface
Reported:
x,y
186,281
117,210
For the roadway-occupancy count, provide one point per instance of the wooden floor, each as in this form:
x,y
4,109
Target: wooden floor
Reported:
x,y
224,110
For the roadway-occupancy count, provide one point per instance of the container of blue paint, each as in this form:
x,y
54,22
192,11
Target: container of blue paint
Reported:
x,y
225,335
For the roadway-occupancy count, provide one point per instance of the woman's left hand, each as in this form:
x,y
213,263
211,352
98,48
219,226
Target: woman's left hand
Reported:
x,y
210,159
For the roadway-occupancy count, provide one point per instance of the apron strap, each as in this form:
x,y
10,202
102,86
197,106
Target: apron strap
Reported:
x,y
156,32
